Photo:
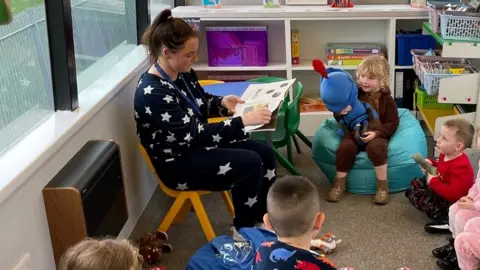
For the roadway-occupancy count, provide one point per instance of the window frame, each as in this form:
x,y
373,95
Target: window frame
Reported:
x,y
62,49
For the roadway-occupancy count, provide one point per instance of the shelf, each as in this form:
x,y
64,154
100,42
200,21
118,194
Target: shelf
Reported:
x,y
273,65
454,48
323,113
430,116
403,67
323,12
306,64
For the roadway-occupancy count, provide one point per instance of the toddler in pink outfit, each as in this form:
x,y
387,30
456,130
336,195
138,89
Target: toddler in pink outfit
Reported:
x,y
460,214
465,209
467,244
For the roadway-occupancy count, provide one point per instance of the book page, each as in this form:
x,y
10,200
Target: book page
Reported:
x,y
267,91
249,106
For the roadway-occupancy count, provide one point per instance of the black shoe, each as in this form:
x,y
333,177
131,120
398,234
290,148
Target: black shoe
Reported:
x,y
450,262
444,251
437,226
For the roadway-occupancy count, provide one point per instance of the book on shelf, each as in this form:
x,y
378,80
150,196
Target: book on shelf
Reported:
x,y
264,95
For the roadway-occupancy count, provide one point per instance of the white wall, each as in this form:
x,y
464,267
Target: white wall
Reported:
x,y
23,223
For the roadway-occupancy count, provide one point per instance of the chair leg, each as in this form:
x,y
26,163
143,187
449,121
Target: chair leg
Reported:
x,y
172,213
203,217
297,146
304,138
289,151
286,164
183,212
228,203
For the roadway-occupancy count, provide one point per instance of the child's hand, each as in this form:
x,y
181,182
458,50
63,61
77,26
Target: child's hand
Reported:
x,y
465,199
429,178
467,204
346,110
368,136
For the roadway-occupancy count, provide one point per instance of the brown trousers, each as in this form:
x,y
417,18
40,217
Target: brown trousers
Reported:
x,y
348,150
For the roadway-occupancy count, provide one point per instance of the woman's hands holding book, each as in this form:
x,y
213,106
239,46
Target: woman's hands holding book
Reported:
x,y
257,117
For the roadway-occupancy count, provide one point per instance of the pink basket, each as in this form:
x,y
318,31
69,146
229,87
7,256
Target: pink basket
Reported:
x,y
434,19
420,58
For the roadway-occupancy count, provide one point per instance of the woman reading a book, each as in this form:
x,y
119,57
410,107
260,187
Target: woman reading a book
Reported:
x,y
171,112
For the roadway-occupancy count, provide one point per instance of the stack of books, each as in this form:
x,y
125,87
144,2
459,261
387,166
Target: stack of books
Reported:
x,y
350,54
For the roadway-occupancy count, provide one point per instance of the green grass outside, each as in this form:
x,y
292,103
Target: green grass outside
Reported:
x,y
20,5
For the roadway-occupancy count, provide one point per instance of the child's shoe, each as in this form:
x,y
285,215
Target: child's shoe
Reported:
x,y
444,251
449,263
337,191
438,226
381,196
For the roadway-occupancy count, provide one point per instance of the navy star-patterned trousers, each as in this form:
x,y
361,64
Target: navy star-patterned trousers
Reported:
x,y
247,168
425,200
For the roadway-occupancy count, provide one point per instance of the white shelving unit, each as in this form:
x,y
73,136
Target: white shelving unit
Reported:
x,y
463,89
317,25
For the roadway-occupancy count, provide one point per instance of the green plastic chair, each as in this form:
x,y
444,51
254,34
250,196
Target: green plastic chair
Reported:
x,y
287,126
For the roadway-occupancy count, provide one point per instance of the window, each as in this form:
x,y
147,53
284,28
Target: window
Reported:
x,y
26,96
104,32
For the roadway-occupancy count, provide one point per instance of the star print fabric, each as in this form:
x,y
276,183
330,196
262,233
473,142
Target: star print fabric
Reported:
x,y
168,124
281,256
246,168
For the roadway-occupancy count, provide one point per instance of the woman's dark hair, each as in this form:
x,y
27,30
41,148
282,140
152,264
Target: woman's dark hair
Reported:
x,y
166,32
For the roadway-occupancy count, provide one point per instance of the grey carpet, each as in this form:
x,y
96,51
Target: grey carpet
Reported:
x,y
374,237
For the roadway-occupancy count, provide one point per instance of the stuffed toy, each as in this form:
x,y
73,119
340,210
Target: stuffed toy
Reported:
x,y
420,160
152,246
338,90
325,244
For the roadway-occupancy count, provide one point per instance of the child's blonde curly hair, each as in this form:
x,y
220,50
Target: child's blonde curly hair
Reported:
x,y
377,67
91,254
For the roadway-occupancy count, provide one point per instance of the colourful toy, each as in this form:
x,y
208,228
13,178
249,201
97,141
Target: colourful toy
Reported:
x,y
325,244
338,91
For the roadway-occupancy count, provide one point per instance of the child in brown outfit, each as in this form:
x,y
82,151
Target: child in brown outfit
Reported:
x,y
373,78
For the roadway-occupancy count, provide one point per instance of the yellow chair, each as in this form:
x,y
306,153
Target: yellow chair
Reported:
x,y
184,200
208,82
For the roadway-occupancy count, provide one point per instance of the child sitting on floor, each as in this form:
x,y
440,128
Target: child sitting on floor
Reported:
x,y
467,245
293,213
460,213
91,254
432,194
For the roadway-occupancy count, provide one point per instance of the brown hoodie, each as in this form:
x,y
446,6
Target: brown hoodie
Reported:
x,y
386,107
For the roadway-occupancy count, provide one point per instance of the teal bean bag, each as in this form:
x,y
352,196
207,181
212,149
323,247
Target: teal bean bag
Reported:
x,y
408,139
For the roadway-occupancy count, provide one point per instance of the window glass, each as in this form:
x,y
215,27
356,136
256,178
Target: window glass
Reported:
x,y
104,32
26,96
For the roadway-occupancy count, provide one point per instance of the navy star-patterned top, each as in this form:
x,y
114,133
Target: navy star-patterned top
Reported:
x,y
167,123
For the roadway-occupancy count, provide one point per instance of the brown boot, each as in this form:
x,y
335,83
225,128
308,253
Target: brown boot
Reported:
x,y
381,196
338,190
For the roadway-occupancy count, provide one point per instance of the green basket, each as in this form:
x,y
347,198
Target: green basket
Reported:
x,y
424,101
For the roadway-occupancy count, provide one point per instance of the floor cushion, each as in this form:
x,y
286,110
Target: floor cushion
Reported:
x,y
407,140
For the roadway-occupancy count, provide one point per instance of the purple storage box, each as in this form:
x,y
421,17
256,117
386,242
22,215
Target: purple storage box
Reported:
x,y
237,46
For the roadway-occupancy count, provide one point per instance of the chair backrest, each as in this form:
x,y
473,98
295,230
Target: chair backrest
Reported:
x,y
209,82
267,79
292,117
294,109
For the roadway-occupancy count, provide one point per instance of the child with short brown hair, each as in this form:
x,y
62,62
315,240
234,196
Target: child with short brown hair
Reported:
x,y
293,213
373,79
434,194
91,254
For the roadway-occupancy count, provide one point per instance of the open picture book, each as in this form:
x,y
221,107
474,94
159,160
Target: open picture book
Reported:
x,y
264,95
